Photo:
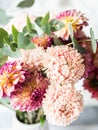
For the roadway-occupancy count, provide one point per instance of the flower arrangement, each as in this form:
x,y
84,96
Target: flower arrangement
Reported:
x,y
50,55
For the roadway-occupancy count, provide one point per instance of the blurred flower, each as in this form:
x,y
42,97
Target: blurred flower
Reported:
x,y
63,64
89,66
19,22
11,74
91,83
90,59
73,17
62,104
96,58
29,95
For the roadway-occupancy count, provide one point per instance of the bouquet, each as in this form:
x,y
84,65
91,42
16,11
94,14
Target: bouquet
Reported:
x,y
42,58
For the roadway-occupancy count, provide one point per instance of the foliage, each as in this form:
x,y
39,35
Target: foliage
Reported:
x,y
25,3
11,43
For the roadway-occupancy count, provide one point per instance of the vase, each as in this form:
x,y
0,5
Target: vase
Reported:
x,y
17,125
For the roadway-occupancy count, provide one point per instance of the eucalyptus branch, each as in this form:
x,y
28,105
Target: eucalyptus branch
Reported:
x,y
6,105
86,40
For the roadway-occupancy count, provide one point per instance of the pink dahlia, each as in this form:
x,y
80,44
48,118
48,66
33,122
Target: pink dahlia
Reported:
x,y
32,58
11,74
29,95
91,83
63,64
73,17
62,104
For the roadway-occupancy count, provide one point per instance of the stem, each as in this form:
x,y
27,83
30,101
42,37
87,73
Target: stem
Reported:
x,y
30,117
83,40
86,40
40,113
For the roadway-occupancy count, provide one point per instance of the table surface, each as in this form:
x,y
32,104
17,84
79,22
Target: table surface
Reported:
x,y
88,120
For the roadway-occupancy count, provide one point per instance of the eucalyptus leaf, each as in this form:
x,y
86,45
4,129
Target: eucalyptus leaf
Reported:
x,y
24,42
3,60
3,34
7,40
29,24
14,33
5,100
14,47
55,25
7,50
71,30
57,41
93,41
1,53
78,46
45,19
38,20
25,3
74,42
38,29
46,29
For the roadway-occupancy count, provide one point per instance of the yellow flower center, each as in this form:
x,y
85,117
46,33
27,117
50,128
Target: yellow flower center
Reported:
x,y
71,20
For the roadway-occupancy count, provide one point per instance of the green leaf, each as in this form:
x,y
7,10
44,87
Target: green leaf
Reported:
x,y
7,50
42,120
14,46
3,60
1,53
57,41
93,41
7,40
81,49
24,42
14,33
5,100
3,34
38,20
55,25
71,30
29,24
46,29
38,29
45,19
72,34
25,3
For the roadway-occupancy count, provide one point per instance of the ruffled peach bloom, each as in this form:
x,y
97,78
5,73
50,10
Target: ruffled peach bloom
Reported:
x,y
32,58
63,64
73,17
62,104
